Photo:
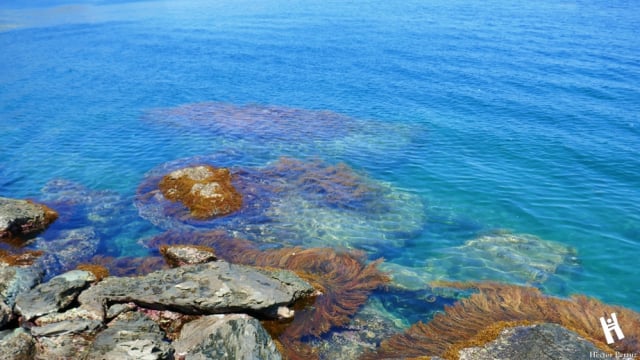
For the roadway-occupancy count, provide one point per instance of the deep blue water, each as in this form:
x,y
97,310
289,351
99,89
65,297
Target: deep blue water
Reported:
x,y
475,116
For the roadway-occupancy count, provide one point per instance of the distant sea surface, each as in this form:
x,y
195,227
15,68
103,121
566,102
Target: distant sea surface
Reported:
x,y
480,117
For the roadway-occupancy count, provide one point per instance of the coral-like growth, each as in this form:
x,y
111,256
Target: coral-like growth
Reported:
x,y
206,191
343,279
477,320
19,257
129,266
99,271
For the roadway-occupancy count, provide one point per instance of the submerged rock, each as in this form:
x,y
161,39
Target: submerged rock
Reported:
x,y
206,191
233,336
301,202
68,249
258,122
107,215
216,287
23,219
536,342
506,257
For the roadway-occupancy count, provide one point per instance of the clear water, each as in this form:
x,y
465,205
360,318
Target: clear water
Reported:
x,y
474,115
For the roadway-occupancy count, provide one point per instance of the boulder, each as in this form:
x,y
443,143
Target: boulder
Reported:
x,y
215,287
206,191
178,255
23,219
534,342
131,335
54,295
232,336
16,344
13,281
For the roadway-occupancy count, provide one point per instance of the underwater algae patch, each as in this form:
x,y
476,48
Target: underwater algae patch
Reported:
x,y
256,122
299,201
344,281
478,319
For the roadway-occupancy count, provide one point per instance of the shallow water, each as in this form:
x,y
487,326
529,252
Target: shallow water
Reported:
x,y
474,116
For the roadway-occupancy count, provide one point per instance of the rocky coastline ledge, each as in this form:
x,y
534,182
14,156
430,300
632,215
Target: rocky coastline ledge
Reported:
x,y
78,315
206,308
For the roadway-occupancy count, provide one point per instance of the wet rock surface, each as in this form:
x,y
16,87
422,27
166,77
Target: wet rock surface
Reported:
x,y
217,287
535,342
233,336
23,219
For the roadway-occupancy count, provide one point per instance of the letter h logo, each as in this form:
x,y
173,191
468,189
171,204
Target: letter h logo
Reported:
x,y
611,324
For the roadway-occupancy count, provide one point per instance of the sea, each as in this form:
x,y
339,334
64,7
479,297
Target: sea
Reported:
x,y
502,137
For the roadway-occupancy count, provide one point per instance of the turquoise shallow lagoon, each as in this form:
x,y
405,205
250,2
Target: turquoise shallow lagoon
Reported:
x,y
479,122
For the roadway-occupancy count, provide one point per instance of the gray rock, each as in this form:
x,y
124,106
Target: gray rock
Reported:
x,y
23,218
211,288
132,335
117,309
178,255
13,281
66,346
76,326
54,295
535,342
233,336
16,344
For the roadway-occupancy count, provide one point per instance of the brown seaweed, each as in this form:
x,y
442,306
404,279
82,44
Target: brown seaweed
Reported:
x,y
99,271
206,191
479,318
129,266
19,257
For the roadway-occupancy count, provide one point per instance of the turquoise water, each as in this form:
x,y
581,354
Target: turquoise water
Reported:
x,y
471,117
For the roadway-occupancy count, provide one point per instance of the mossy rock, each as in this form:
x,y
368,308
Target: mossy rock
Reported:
x,y
206,191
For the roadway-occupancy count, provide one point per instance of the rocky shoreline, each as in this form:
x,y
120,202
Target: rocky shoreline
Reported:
x,y
207,310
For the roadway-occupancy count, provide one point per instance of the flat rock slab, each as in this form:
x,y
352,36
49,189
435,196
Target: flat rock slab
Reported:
x,y
535,342
131,336
54,295
232,336
211,288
